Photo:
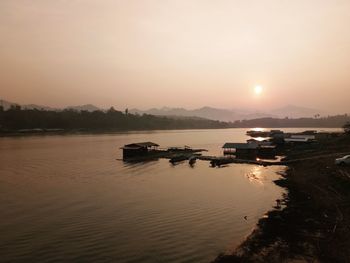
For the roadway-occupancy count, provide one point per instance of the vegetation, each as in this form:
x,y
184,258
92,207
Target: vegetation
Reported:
x,y
346,128
15,119
321,122
311,223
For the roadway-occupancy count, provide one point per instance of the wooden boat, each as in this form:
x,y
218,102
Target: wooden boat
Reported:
x,y
178,158
192,160
220,161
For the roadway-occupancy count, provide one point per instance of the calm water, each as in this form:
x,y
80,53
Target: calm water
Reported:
x,y
67,199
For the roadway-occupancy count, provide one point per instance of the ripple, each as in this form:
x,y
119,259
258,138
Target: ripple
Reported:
x,y
66,199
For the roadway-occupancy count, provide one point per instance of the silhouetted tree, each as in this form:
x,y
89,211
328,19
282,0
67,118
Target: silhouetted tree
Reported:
x,y
15,107
346,128
111,110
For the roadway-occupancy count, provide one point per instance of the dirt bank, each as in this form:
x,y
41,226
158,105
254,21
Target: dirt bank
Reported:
x,y
312,222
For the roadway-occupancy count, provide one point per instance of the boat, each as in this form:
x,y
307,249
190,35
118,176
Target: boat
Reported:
x,y
253,133
178,158
220,161
192,160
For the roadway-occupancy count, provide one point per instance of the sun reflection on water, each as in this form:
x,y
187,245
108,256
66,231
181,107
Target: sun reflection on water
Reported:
x,y
255,175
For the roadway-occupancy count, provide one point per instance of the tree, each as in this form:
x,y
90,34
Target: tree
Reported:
x,y
111,110
346,128
15,107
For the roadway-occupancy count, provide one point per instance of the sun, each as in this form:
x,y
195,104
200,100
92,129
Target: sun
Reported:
x,y
258,89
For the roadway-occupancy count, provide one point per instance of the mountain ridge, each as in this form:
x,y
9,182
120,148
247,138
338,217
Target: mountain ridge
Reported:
x,y
205,112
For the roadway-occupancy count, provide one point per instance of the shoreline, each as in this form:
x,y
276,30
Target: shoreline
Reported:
x,y
311,223
48,132
84,132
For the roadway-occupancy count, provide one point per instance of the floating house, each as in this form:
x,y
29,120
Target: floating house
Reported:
x,y
250,150
277,136
267,151
303,136
260,142
298,140
138,149
240,148
253,133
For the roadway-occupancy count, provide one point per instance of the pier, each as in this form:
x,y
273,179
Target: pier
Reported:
x,y
256,152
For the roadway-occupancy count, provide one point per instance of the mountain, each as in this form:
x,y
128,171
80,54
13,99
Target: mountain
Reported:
x,y
227,115
206,113
7,104
86,107
38,107
292,111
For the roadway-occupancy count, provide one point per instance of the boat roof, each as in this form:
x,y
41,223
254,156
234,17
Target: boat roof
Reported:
x,y
140,145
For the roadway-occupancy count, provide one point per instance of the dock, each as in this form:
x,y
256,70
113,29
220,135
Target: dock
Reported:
x,y
143,151
254,151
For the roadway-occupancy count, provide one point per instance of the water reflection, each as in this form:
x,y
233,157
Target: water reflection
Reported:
x,y
63,197
255,175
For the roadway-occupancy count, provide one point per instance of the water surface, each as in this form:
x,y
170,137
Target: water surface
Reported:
x,y
67,199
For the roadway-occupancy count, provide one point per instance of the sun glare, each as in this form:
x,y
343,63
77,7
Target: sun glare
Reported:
x,y
258,89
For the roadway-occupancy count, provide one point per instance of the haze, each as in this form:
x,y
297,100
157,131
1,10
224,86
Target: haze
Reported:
x,y
176,53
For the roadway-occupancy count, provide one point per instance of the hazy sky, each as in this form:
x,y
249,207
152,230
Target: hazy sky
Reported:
x,y
153,53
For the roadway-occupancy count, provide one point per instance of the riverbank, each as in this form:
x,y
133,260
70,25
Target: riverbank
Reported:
x,y
312,222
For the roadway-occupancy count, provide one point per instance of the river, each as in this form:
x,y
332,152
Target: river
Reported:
x,y
66,198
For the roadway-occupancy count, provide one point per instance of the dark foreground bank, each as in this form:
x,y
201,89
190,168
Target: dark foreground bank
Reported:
x,y
312,222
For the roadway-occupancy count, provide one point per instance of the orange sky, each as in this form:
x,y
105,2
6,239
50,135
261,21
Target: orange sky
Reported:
x,y
183,53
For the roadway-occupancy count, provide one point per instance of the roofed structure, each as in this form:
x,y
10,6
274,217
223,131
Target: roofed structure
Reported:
x,y
140,145
230,145
138,149
240,148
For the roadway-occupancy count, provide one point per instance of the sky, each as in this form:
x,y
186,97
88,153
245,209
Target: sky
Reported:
x,y
179,53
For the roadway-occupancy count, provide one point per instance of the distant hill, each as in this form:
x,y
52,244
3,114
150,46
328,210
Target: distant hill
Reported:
x,y
336,121
86,107
228,115
292,111
22,120
47,118
7,104
204,112
211,113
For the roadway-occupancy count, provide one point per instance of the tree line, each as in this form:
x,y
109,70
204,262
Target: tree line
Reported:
x,y
16,118
336,121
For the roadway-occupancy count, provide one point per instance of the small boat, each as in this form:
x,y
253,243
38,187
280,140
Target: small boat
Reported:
x,y
192,160
219,162
178,158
